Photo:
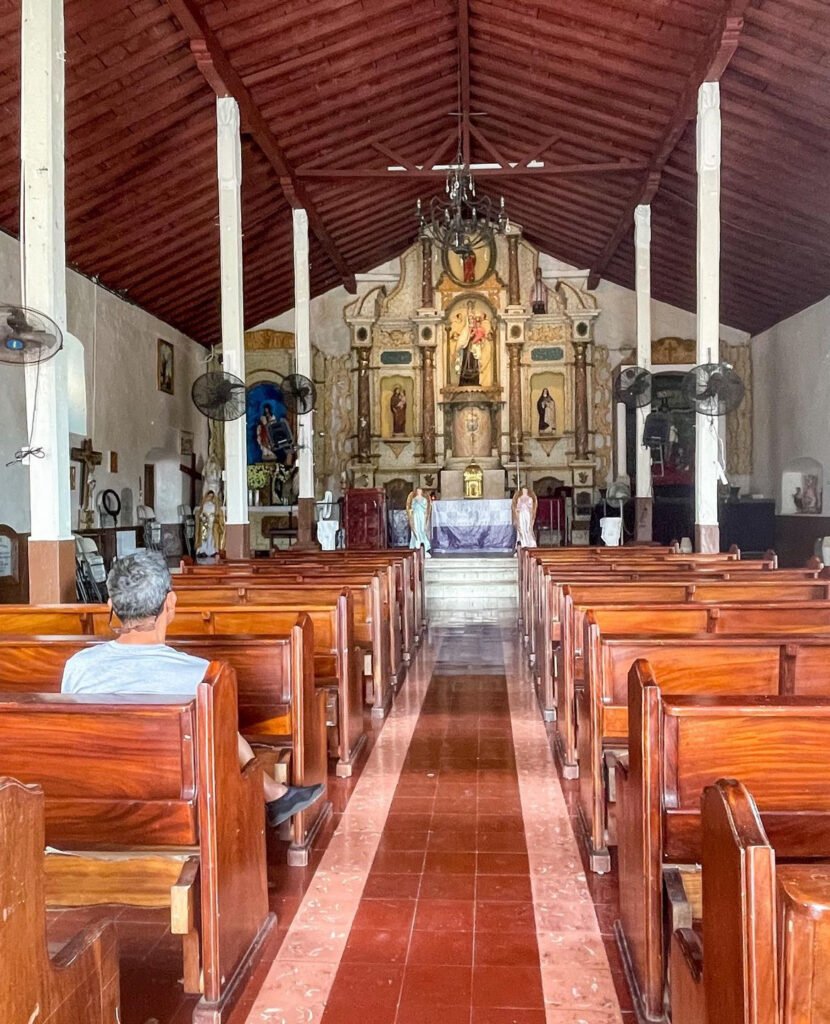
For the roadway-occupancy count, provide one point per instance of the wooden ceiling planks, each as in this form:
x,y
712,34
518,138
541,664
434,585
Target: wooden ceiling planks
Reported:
x,y
356,83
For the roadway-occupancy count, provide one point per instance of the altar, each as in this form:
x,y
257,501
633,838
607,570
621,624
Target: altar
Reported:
x,y
480,524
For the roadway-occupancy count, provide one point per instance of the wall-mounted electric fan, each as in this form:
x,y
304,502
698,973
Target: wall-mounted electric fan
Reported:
x,y
27,336
633,387
713,389
219,395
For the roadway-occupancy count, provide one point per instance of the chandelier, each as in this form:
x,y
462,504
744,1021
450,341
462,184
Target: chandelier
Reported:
x,y
461,222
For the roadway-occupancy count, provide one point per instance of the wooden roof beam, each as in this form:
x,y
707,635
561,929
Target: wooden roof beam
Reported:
x,y
719,49
464,75
218,71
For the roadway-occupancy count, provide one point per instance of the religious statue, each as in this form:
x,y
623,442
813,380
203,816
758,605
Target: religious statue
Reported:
x,y
210,526
546,408
525,503
471,339
539,294
397,406
263,438
468,264
419,514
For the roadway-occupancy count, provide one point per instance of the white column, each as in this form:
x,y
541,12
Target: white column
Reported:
x,y
43,258
642,248
302,349
708,305
229,162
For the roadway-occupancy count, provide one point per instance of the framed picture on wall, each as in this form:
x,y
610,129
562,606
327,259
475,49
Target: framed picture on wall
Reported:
x,y
165,367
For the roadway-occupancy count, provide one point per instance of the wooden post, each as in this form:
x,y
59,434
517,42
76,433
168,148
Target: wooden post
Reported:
x,y
642,246
306,530
229,164
43,255
707,532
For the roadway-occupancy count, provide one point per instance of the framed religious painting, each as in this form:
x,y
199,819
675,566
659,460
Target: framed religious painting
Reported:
x,y
472,267
165,367
471,343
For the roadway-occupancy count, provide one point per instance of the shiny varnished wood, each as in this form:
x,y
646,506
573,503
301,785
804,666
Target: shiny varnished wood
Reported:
x,y
80,984
679,745
145,774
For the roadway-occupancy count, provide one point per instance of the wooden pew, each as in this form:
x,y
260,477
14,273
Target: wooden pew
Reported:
x,y
331,637
81,984
679,745
646,603
371,628
148,802
772,663
280,710
337,663
765,949
352,574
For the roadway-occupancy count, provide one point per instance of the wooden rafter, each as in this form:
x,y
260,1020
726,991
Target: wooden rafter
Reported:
x,y
720,47
549,170
464,75
220,74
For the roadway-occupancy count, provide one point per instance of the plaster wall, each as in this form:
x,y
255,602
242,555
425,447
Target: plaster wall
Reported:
x,y
125,411
791,379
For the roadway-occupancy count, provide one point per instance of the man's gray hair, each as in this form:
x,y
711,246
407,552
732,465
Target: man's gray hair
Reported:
x,y
138,585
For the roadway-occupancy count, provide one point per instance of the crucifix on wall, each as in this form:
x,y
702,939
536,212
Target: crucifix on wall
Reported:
x,y
88,459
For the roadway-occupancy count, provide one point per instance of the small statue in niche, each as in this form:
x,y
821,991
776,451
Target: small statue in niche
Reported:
x,y
539,294
809,495
468,265
397,406
546,409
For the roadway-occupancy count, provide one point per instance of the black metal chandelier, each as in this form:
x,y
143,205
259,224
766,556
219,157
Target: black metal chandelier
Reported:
x,y
462,221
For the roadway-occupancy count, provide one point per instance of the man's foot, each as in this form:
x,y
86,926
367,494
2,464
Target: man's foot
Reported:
x,y
295,800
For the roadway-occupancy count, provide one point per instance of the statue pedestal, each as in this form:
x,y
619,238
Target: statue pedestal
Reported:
x,y
452,483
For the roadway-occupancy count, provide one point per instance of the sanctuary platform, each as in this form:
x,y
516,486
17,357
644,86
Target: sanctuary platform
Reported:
x,y
464,589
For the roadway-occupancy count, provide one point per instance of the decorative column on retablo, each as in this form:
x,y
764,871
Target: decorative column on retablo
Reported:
x,y
427,327
514,294
43,250
427,296
514,325
582,462
707,531
642,250
364,407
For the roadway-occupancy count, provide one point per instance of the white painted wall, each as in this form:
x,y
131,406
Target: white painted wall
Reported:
x,y
125,411
791,381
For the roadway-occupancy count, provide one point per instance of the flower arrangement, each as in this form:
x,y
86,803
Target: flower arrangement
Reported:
x,y
258,476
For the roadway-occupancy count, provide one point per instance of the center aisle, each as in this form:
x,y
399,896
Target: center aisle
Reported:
x,y
452,889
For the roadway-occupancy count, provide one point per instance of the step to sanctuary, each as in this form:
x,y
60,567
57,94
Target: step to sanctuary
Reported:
x,y
469,589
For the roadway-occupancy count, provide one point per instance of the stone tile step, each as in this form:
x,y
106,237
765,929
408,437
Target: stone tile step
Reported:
x,y
464,592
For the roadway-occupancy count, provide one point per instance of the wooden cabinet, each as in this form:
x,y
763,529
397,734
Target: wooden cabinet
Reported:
x,y
365,513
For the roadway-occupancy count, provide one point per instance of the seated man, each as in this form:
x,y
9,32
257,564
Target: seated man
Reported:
x,y
139,661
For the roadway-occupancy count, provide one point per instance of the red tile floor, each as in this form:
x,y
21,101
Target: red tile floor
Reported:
x,y
448,885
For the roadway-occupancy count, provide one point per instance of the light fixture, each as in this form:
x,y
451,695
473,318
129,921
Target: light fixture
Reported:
x,y
462,221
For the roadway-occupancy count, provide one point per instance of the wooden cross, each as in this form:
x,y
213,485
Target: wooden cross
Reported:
x,y
194,475
88,459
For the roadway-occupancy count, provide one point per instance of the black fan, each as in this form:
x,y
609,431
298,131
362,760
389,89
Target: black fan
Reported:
x,y
714,389
299,393
27,336
219,395
633,387
280,436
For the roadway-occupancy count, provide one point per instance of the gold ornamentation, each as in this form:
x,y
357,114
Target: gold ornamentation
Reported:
x,y
266,340
673,351
739,422
602,383
549,334
396,446
473,481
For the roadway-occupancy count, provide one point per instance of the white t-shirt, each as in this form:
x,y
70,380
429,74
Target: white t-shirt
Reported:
x,y
133,669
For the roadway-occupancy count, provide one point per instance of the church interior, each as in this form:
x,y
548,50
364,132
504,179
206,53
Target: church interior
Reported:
x,y
414,413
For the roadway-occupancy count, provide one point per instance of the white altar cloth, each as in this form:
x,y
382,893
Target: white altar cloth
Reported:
x,y
473,524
